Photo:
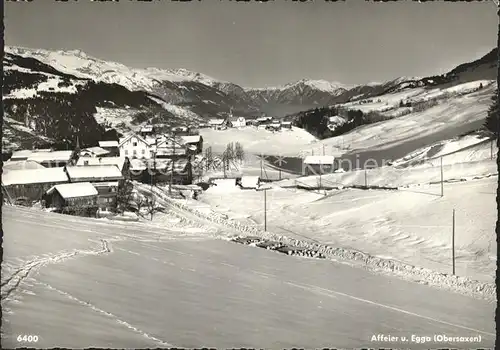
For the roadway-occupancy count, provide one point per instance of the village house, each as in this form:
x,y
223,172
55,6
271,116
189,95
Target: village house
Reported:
x,y
48,158
237,122
31,184
181,130
194,140
111,147
122,163
105,178
171,148
274,126
147,130
318,165
74,198
217,124
134,146
20,155
94,152
286,125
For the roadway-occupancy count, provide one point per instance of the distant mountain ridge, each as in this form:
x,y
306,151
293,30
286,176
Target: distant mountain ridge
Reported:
x,y
57,94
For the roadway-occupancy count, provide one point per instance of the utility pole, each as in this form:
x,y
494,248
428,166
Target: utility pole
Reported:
x,y
442,189
172,162
261,160
265,209
453,243
491,149
366,178
320,173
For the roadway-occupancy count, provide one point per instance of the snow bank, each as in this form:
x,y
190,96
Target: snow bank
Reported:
x,y
410,272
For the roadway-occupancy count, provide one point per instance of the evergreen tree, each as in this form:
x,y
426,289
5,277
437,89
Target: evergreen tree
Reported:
x,y
491,122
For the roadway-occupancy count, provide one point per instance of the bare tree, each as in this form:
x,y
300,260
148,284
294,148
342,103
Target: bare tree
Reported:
x,y
239,152
209,158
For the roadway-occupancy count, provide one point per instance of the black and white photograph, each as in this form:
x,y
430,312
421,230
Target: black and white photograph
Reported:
x,y
249,174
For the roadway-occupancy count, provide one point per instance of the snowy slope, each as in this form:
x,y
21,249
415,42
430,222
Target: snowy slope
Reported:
x,y
122,281
417,230
453,113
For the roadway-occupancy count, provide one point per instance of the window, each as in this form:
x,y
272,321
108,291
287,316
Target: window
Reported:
x,y
126,152
134,144
143,151
135,152
86,162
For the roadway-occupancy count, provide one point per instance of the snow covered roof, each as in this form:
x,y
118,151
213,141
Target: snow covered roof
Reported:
x,y
21,155
137,164
51,156
216,121
21,164
98,151
34,176
169,151
118,161
128,137
191,138
74,190
286,123
147,128
106,184
108,144
94,173
319,160
250,181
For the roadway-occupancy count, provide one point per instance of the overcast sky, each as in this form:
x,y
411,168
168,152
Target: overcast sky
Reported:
x,y
264,44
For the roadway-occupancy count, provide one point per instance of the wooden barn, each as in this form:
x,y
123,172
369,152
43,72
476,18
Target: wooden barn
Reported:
x,y
74,198
105,178
30,185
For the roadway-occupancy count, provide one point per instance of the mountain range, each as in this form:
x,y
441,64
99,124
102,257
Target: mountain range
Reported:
x,y
55,94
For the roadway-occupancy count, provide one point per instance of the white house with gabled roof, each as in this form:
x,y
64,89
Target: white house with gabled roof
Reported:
x,y
135,146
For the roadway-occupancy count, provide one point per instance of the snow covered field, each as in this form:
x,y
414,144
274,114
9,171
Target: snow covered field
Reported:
x,y
95,283
413,225
258,141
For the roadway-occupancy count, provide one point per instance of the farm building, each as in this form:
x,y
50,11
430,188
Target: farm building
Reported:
x,y
21,164
96,173
111,147
217,124
31,184
94,152
122,163
73,198
194,140
316,165
286,125
105,178
20,155
51,159
173,149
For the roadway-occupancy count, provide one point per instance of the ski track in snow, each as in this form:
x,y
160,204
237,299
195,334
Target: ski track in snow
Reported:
x,y
20,274
108,314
